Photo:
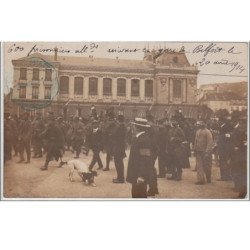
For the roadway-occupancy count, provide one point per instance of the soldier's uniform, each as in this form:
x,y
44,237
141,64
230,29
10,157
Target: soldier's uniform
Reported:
x,y
224,150
7,137
96,144
119,148
109,139
176,150
238,159
38,128
14,134
77,136
203,150
24,138
54,137
141,171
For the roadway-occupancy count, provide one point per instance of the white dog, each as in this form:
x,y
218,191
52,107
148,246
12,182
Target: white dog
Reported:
x,y
83,171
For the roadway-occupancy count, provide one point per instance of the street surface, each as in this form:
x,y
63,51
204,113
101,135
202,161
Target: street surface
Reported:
x,y
28,181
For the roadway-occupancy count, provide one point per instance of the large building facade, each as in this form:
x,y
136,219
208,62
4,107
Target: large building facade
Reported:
x,y
70,84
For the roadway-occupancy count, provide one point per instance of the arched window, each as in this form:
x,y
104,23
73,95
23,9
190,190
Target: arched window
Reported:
x,y
78,85
135,87
121,87
64,85
93,83
107,86
148,88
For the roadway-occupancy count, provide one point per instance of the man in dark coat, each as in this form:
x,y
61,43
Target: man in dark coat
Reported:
x,y
96,144
109,139
176,150
54,137
24,137
162,155
7,137
238,158
77,136
141,169
38,128
119,148
224,150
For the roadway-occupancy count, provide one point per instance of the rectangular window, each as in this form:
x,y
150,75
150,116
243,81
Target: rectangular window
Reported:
x,y
93,82
135,87
121,87
148,88
107,86
22,92
36,74
23,74
35,92
177,88
47,93
78,86
48,74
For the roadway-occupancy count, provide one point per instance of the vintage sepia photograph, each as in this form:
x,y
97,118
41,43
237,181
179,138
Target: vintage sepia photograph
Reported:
x,y
125,120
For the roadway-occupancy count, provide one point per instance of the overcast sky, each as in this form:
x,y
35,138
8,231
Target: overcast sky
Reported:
x,y
217,62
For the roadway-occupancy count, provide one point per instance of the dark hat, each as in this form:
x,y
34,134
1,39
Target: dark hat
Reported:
x,y
141,122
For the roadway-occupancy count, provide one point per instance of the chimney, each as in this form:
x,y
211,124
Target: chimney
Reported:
x,y
55,55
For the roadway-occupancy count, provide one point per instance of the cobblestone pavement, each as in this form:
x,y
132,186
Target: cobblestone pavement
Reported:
x,y
28,181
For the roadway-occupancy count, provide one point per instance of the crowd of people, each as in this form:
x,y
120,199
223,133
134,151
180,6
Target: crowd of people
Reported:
x,y
170,140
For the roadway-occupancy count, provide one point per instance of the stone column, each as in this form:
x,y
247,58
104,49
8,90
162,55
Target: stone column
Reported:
x,y
142,89
85,87
71,87
114,89
100,88
128,89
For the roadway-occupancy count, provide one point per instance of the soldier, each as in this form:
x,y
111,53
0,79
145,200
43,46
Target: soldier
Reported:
x,y
24,137
54,138
119,148
176,150
141,169
38,128
93,112
7,137
238,158
68,134
63,127
224,150
77,136
153,132
203,146
14,132
109,140
96,144
162,156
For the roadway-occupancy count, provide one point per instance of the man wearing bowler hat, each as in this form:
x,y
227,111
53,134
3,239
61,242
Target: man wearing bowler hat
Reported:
x,y
140,171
